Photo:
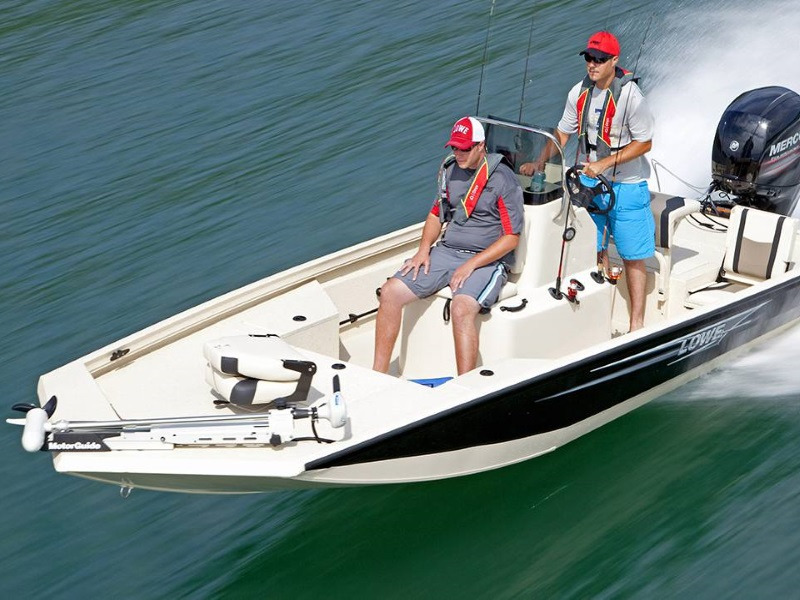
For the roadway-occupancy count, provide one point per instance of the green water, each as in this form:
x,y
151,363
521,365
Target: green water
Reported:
x,y
157,154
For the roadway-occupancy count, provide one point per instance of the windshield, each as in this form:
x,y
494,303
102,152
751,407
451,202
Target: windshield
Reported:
x,y
521,144
517,143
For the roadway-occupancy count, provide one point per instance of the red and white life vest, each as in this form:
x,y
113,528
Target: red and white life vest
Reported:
x,y
605,142
463,209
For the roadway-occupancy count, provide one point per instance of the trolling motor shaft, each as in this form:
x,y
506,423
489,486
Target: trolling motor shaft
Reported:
x,y
274,427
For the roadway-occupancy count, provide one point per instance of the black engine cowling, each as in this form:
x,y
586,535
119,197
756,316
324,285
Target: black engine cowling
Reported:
x,y
756,153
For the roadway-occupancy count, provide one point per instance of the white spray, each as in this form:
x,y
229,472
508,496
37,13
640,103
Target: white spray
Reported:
x,y
701,60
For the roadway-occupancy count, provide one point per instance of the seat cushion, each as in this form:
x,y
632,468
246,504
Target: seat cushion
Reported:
x,y
507,291
714,294
759,244
246,390
252,356
667,211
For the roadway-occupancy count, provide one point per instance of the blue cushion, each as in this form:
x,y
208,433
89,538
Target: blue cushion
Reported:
x,y
432,382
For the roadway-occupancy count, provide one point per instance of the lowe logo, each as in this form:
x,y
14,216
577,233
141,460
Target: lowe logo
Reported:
x,y
702,339
784,144
712,335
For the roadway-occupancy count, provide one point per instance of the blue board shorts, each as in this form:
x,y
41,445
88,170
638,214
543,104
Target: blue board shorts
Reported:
x,y
484,284
630,221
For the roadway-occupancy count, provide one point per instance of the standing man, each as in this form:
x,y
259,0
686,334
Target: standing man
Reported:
x,y
615,129
480,202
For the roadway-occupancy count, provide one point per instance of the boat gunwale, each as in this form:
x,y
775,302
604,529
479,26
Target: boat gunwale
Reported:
x,y
193,319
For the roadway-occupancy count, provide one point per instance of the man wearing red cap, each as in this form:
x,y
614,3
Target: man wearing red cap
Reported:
x,y
615,129
480,202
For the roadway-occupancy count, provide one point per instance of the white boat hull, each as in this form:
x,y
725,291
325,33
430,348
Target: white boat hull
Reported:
x,y
550,370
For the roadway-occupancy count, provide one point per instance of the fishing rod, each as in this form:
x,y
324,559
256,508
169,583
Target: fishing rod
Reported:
x,y
483,63
566,236
525,75
628,100
608,14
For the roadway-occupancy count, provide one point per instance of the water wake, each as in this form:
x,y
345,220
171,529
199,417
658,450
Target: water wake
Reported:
x,y
697,62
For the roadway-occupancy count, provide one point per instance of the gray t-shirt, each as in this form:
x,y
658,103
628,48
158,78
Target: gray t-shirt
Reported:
x,y
638,125
498,212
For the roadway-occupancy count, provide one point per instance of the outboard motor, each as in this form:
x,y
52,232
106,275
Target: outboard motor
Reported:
x,y
756,153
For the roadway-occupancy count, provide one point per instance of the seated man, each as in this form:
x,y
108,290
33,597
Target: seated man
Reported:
x,y
480,201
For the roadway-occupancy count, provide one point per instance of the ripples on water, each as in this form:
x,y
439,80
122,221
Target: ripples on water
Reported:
x,y
156,154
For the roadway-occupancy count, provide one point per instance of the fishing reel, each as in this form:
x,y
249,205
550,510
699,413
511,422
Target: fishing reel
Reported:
x,y
585,196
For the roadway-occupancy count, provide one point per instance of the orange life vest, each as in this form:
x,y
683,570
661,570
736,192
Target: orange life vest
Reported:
x,y
461,212
603,145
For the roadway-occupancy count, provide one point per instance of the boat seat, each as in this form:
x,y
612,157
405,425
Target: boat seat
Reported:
x,y
257,369
667,212
510,288
758,246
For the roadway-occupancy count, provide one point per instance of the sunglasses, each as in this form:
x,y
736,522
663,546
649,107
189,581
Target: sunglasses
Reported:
x,y
465,149
598,61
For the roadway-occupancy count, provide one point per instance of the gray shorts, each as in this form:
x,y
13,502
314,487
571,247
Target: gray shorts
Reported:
x,y
484,284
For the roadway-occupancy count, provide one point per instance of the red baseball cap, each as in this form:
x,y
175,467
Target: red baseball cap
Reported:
x,y
466,132
601,45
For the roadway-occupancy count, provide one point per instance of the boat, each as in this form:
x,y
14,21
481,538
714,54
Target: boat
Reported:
x,y
269,387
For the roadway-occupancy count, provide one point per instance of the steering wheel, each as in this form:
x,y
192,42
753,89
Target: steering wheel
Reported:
x,y
583,195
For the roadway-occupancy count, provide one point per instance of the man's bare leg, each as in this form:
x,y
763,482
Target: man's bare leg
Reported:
x,y
463,311
636,276
394,296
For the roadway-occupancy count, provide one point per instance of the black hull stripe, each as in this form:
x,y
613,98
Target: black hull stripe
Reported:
x,y
739,237
580,390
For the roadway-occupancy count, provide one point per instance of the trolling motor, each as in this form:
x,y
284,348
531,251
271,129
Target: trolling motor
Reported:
x,y
34,422
273,428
